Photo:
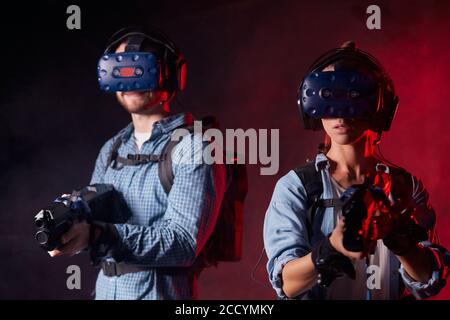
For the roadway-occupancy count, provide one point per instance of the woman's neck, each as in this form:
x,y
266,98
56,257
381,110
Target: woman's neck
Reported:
x,y
353,161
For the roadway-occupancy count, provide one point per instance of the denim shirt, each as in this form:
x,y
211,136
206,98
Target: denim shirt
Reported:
x,y
286,237
165,232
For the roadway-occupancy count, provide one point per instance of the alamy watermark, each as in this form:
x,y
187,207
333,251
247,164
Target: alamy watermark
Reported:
x,y
374,20
74,279
74,20
239,146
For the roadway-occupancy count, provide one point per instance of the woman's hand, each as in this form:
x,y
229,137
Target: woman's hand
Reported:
x,y
337,238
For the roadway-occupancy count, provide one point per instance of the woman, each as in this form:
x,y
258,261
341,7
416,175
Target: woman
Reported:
x,y
304,239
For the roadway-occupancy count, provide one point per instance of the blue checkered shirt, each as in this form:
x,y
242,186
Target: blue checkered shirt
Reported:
x,y
165,232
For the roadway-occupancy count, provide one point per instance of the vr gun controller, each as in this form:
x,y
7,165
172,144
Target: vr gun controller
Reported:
x,y
359,206
95,202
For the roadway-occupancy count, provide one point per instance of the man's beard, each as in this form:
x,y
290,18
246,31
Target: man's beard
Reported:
x,y
140,103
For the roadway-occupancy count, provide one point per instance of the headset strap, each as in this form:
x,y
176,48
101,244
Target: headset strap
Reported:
x,y
134,43
165,42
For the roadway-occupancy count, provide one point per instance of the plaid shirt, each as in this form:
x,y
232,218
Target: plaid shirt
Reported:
x,y
165,232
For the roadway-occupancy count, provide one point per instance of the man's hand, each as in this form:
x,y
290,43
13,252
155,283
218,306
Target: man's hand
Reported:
x,y
74,240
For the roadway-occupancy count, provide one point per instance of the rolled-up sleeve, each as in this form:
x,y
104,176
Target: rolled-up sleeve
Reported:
x,y
285,233
433,286
426,217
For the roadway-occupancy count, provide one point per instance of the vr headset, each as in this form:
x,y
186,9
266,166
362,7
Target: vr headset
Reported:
x,y
138,70
347,93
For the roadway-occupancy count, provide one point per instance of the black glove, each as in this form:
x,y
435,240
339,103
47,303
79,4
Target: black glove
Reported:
x,y
329,263
405,233
103,237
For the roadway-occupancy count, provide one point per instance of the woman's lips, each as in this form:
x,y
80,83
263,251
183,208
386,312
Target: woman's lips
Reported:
x,y
342,128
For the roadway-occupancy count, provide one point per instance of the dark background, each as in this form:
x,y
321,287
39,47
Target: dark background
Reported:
x,y
245,60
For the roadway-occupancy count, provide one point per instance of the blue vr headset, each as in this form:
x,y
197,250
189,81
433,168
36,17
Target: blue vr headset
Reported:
x,y
347,94
135,70
339,94
128,71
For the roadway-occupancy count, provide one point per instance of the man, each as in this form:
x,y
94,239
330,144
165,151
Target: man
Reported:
x,y
322,247
153,254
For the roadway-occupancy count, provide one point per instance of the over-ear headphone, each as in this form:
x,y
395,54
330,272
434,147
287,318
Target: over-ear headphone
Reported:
x,y
337,93
173,63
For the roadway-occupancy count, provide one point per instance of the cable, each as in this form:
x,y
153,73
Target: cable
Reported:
x,y
252,275
384,159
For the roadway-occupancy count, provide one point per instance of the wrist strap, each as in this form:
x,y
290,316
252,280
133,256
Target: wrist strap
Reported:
x,y
102,233
94,233
329,263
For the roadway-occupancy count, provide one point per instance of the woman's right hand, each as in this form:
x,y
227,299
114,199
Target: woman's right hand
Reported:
x,y
337,238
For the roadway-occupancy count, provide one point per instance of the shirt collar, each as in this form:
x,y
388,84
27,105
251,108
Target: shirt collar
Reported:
x,y
321,162
170,123
165,125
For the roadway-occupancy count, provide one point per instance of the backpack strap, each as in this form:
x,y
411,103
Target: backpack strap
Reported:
x,y
137,159
165,170
131,159
402,189
312,182
114,152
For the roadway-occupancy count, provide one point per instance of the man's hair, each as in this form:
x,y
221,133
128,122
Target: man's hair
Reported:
x,y
158,47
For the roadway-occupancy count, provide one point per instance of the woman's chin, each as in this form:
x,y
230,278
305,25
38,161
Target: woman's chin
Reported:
x,y
346,139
